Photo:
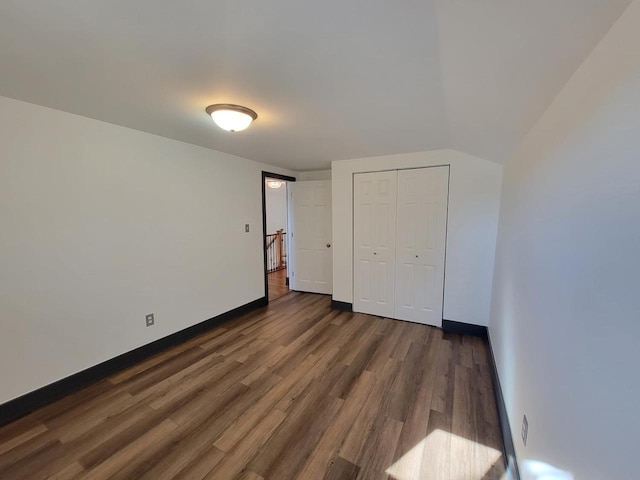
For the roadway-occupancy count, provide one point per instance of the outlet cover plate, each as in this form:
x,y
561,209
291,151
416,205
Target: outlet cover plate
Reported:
x,y
150,319
525,429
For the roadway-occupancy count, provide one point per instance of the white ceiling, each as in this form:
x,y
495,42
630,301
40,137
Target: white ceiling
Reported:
x,y
329,79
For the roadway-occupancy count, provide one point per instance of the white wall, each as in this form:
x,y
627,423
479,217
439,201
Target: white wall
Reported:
x,y
565,322
276,207
474,198
100,225
314,175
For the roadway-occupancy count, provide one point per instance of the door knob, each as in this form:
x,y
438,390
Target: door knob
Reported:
x,y
328,245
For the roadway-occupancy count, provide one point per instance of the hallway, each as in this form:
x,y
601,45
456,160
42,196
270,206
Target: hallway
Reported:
x,y
278,284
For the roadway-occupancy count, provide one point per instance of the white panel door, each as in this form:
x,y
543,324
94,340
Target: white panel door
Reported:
x,y
420,244
312,266
374,225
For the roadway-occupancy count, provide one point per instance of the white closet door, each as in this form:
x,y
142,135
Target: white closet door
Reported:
x,y
420,244
311,237
374,242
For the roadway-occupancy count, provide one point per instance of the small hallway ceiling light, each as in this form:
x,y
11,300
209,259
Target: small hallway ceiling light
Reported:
x,y
274,183
232,118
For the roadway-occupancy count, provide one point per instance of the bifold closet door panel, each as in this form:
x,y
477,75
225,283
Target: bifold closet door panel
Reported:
x,y
420,244
374,238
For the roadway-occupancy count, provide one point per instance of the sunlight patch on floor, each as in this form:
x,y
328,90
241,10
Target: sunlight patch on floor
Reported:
x,y
445,456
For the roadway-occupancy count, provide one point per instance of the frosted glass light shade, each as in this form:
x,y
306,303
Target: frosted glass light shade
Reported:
x,y
232,118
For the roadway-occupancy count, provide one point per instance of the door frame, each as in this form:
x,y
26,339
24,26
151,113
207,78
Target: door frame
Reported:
x,y
277,176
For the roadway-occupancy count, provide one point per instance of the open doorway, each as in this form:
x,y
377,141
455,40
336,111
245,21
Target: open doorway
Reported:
x,y
275,199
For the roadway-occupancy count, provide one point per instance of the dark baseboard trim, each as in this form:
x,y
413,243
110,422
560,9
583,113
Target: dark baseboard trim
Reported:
x,y
25,404
342,306
507,440
464,328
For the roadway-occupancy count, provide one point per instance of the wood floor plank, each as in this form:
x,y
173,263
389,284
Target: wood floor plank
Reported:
x,y
187,445
479,351
291,391
68,473
415,428
414,431
85,408
377,455
434,453
404,342
207,404
355,441
254,414
300,434
92,418
202,465
96,454
443,388
300,351
162,371
463,426
324,452
465,351
34,466
303,427
386,348
235,463
249,475
99,435
123,457
317,371
202,399
366,335
153,361
484,399
11,431
184,387
340,469
407,383
357,365
25,449
12,442
82,399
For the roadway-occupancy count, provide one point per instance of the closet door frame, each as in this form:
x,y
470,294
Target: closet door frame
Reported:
x,y
353,226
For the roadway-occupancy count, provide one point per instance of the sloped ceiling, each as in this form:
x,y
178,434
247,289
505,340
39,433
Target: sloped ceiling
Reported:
x,y
503,62
329,79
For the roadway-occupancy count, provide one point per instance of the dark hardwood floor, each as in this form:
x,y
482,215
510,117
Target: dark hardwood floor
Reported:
x,y
292,390
277,284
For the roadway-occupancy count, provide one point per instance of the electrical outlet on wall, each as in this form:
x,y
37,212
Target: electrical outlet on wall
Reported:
x,y
150,320
525,429
246,228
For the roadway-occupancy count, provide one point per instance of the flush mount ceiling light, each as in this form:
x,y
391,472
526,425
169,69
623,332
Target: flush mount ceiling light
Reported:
x,y
274,183
232,118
